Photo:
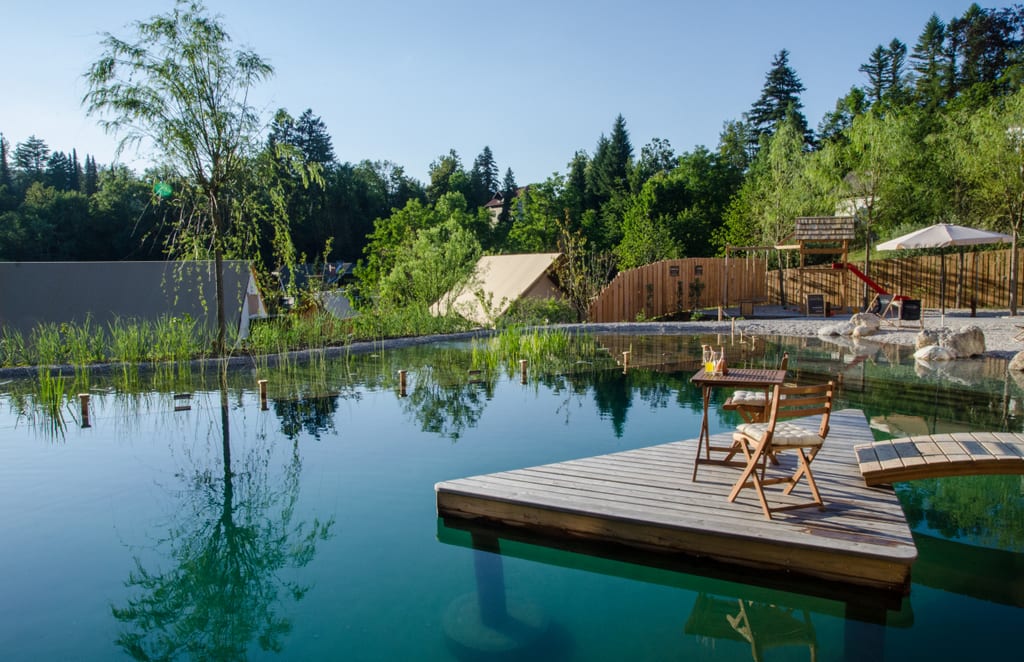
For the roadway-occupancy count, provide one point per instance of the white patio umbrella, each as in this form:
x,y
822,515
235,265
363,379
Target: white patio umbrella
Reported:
x,y
942,235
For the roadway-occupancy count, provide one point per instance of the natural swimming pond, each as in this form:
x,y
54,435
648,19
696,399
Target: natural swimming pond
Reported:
x,y
204,527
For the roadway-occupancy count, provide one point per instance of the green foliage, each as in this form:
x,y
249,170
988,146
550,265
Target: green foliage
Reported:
x,y
779,100
528,311
179,86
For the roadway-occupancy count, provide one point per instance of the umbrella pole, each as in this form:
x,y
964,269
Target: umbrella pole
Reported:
x,y
942,288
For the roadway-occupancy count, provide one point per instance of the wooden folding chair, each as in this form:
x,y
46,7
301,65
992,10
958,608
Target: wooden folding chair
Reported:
x,y
760,441
751,405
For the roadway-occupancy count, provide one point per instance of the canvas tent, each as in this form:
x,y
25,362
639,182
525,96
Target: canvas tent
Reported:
x,y
32,293
500,280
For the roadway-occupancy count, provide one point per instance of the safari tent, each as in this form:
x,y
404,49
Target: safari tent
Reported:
x,y
499,281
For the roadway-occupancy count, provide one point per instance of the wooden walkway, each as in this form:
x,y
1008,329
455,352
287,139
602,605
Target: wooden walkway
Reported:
x,y
941,455
645,498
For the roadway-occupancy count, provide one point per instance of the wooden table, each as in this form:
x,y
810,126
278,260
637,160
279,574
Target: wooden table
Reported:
x,y
734,378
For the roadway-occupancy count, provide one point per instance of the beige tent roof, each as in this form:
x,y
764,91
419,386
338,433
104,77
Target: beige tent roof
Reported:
x,y
501,279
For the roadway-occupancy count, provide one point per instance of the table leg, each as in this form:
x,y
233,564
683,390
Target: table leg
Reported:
x,y
703,440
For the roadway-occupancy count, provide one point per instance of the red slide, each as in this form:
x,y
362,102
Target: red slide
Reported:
x,y
860,274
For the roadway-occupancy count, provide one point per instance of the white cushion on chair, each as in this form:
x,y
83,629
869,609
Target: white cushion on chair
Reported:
x,y
749,398
786,434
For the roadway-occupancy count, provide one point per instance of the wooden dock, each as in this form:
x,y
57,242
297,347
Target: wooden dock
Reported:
x,y
941,455
645,499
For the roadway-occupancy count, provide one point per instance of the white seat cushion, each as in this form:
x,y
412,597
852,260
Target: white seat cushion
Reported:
x,y
749,398
786,434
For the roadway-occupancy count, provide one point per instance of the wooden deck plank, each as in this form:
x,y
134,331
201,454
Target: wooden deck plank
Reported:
x,y
943,455
645,498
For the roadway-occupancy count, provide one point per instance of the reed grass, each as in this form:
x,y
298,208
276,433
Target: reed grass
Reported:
x,y
49,404
46,346
13,351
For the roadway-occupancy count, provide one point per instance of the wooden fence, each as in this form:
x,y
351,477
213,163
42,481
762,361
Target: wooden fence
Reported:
x,y
670,287
981,276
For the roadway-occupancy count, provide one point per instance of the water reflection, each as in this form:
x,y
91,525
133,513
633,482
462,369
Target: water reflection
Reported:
x,y
763,625
233,536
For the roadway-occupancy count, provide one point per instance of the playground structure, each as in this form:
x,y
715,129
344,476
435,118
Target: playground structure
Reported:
x,y
885,304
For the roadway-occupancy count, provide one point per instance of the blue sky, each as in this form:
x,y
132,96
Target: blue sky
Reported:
x,y
407,81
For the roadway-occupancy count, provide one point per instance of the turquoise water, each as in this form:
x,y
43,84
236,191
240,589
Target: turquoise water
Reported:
x,y
309,531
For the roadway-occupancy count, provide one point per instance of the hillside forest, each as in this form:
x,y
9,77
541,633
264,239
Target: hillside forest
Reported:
x,y
931,130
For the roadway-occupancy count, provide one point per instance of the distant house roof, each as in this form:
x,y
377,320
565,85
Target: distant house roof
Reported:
x,y
33,293
330,273
498,200
500,280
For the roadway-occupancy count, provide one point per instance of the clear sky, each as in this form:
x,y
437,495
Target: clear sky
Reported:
x,y
407,80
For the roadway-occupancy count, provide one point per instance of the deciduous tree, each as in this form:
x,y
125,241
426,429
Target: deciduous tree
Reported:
x,y
179,87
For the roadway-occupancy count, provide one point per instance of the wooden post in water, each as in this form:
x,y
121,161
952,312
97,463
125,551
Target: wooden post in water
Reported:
x,y
263,394
401,383
522,371
625,361
84,399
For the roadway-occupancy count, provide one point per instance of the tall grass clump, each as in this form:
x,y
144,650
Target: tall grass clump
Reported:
x,y
176,339
548,351
85,344
46,348
49,403
129,340
13,351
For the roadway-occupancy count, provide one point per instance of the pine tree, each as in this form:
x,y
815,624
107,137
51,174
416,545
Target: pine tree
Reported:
x,y
74,172
58,169
30,157
483,178
781,92
930,65
508,193
312,138
895,74
91,176
609,170
876,69
5,168
308,134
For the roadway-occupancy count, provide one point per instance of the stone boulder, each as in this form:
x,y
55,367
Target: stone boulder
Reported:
x,y
934,353
861,324
926,337
838,329
869,320
1016,363
968,341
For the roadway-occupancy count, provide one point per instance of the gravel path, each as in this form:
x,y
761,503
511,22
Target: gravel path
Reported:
x,y
999,328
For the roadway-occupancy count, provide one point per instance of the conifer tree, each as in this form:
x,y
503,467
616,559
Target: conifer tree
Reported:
x,y
508,193
91,176
483,178
74,172
930,65
5,168
780,93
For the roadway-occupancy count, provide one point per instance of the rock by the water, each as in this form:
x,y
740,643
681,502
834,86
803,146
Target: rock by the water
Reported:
x,y
934,353
926,337
1017,362
863,330
968,341
869,320
839,329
